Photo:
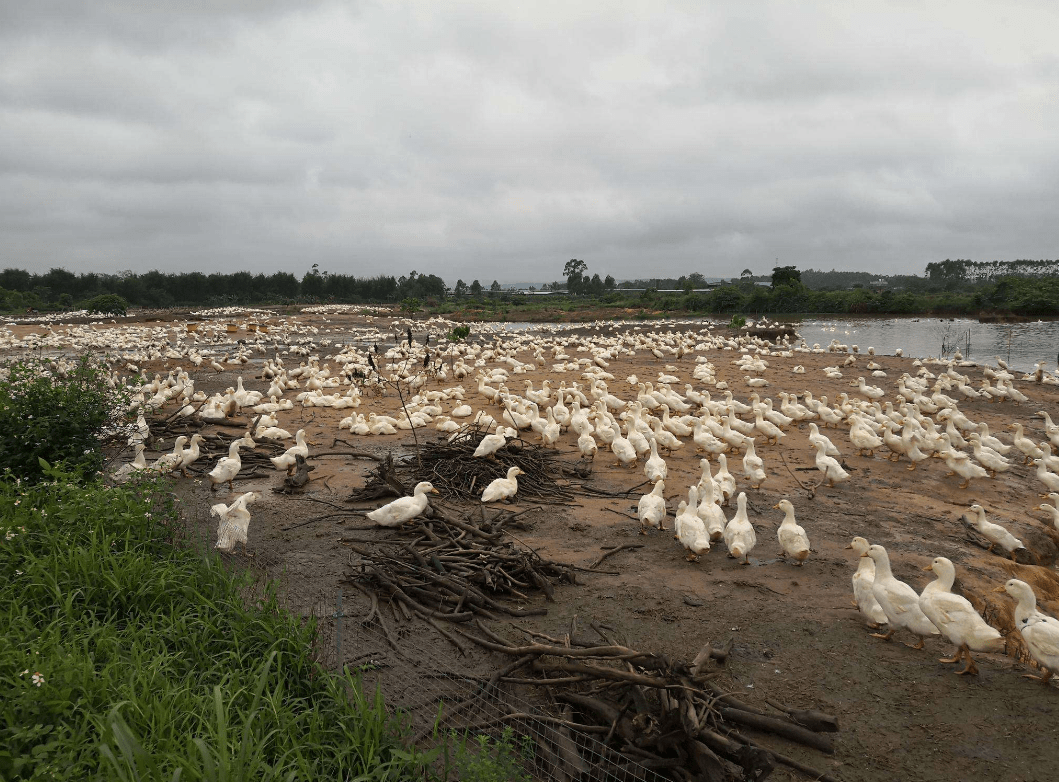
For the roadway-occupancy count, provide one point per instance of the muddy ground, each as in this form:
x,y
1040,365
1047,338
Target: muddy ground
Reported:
x,y
797,638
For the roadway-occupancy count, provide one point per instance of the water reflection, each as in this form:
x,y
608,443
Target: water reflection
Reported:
x,y
1021,345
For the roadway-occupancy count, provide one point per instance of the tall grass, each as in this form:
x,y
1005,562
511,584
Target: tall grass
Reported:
x,y
125,656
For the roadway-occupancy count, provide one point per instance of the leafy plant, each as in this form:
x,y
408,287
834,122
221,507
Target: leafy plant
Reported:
x,y
107,304
411,305
737,322
58,412
488,759
458,333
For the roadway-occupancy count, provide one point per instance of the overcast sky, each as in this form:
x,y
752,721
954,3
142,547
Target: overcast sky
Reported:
x,y
497,140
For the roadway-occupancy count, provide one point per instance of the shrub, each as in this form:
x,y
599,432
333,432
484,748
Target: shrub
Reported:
x,y
56,411
107,304
737,322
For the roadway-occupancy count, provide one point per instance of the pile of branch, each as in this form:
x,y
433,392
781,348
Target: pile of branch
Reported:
x,y
457,571
668,716
455,472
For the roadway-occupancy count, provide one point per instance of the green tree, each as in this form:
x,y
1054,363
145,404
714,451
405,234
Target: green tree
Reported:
x,y
785,275
575,275
495,287
476,289
460,290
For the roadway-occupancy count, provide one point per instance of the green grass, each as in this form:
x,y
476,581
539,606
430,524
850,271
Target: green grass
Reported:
x,y
125,656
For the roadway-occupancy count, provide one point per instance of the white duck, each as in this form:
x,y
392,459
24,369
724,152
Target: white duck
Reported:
x,y
863,579
170,461
404,508
956,618
1052,510
191,454
898,600
994,533
234,521
1049,479
227,467
623,450
138,463
725,480
690,530
489,445
502,488
285,461
739,535
709,510
652,509
655,468
829,466
793,540
1029,449
753,466
1039,631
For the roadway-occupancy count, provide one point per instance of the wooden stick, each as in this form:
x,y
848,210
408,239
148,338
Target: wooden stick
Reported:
x,y
615,550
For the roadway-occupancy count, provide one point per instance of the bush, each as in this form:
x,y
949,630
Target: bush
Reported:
x,y
107,304
56,411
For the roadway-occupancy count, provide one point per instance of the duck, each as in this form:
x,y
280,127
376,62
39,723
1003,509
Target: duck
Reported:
x,y
710,511
138,463
994,533
502,488
725,480
1038,630
1052,510
1029,449
1049,479
233,521
655,468
652,508
227,467
170,461
285,461
829,466
753,466
986,456
898,600
623,450
690,530
863,579
586,444
404,508
739,535
191,454
956,619
489,445
793,540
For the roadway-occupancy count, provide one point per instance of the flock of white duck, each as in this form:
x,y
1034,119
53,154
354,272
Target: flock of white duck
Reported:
x,y
633,419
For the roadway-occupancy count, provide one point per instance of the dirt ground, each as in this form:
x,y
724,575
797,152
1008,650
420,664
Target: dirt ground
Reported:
x,y
798,640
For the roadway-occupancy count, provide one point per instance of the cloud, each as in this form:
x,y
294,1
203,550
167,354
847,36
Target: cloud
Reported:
x,y
496,141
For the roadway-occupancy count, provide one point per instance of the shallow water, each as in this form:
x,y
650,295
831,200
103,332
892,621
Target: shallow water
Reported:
x,y
1021,345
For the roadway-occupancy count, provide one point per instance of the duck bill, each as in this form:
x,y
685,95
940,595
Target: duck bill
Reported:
x,y
929,567
999,589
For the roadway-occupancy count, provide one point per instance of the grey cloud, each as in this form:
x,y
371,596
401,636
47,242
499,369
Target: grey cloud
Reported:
x,y
483,140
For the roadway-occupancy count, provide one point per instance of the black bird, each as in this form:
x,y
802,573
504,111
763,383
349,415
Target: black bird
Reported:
x,y
371,363
426,360
426,340
409,336
376,346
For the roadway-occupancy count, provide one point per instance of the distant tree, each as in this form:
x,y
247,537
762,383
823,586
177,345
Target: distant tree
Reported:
x,y
608,283
785,275
495,287
746,275
575,275
460,290
476,289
